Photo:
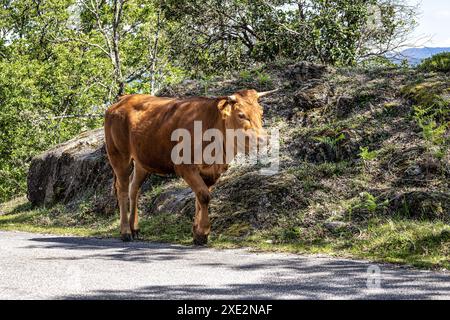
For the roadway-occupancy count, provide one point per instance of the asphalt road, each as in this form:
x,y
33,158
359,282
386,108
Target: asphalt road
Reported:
x,y
53,267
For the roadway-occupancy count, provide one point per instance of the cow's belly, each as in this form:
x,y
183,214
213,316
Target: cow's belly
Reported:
x,y
158,169
152,155
155,163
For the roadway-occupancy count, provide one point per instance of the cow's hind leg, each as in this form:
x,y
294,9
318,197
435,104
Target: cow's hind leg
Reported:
x,y
121,166
120,160
122,183
138,177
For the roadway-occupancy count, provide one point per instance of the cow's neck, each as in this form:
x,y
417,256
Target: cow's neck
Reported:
x,y
220,124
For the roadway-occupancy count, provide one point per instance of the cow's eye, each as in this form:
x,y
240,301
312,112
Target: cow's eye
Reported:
x,y
242,116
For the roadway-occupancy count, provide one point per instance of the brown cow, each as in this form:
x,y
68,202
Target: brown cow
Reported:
x,y
138,130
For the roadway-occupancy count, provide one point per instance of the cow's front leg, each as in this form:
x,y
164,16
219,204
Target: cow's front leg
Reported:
x,y
201,227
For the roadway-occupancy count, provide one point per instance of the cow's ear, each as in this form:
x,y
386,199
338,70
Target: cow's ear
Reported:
x,y
224,107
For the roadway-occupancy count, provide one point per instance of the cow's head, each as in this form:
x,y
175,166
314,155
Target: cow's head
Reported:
x,y
242,113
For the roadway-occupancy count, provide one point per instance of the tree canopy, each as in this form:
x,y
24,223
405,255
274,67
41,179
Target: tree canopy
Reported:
x,y
62,62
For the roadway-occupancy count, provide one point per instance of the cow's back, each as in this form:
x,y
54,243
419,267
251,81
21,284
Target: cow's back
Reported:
x,y
140,127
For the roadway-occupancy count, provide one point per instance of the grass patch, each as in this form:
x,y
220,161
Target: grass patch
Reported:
x,y
324,169
424,244
20,215
166,228
417,243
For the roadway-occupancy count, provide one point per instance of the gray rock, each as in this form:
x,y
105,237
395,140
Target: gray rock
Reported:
x,y
414,170
344,105
70,169
302,71
336,226
174,201
315,95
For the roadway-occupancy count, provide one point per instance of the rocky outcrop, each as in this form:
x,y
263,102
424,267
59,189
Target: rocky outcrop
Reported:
x,y
173,200
255,200
70,170
303,71
313,95
326,119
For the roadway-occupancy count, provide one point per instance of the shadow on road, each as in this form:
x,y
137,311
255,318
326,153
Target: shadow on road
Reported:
x,y
280,275
136,251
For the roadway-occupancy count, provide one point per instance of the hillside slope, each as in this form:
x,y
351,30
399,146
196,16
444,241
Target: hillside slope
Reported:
x,y
364,170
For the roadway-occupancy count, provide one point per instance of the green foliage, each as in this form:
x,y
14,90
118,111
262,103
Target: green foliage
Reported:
x,y
431,112
367,155
331,141
246,75
337,32
437,63
420,243
404,64
62,62
377,62
432,132
366,202
263,79
432,120
285,235
167,228
82,221
42,83
57,75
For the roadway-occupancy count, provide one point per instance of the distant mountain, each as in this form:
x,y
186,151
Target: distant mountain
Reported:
x,y
416,55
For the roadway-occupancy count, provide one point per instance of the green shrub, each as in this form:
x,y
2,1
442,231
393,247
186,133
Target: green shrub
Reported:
x,y
439,63
367,203
367,155
264,79
246,76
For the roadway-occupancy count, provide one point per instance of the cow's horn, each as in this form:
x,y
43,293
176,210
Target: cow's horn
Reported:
x,y
265,93
232,98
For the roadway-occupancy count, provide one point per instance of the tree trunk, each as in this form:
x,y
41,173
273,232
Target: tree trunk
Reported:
x,y
154,54
118,11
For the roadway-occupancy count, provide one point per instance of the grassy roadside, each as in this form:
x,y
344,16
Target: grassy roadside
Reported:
x,y
423,244
364,174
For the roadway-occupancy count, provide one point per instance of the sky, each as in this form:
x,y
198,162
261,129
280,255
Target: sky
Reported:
x,y
434,23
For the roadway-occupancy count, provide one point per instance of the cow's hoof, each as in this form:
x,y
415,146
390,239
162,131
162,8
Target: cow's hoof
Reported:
x,y
200,240
135,234
127,237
